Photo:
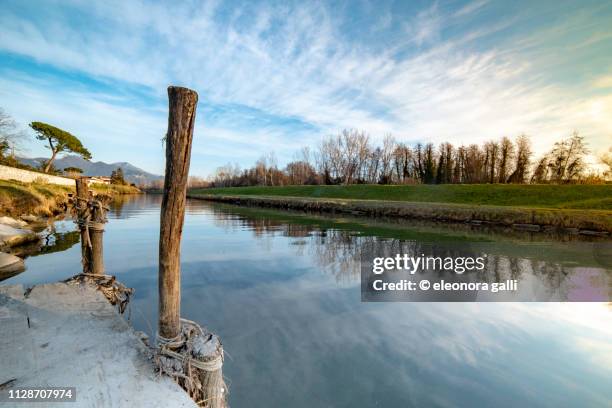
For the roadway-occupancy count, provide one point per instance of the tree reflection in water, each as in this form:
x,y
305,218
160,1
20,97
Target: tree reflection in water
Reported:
x,y
545,262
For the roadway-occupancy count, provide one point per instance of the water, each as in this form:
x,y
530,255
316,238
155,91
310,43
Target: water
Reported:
x,y
282,290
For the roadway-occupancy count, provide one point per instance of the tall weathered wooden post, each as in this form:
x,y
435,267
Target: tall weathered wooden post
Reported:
x,y
187,352
181,118
82,200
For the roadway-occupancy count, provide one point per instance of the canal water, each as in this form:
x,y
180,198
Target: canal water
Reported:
x,y
283,292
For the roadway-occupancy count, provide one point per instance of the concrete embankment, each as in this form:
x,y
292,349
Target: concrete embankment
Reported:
x,y
69,335
587,222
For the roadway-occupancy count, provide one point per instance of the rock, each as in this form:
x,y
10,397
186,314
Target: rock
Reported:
x,y
10,236
11,222
10,265
30,218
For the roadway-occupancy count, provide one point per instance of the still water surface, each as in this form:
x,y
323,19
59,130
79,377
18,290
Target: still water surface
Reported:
x,y
283,292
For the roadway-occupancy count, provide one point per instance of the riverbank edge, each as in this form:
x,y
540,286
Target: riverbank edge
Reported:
x,y
19,199
585,222
30,206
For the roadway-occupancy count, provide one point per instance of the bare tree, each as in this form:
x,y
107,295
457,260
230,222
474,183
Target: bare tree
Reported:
x,y
402,161
566,159
491,159
323,161
540,172
11,136
300,172
386,159
332,149
196,182
373,167
363,154
444,172
506,155
459,168
473,164
272,169
261,171
522,159
419,162
606,160
226,176
348,158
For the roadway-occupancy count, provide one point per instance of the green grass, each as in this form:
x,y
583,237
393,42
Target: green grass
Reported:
x,y
593,197
114,189
18,198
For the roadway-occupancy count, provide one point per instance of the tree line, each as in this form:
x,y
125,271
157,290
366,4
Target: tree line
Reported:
x,y
350,158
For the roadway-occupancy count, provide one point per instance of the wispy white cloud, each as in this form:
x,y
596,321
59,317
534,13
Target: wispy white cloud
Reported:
x,y
426,26
299,62
470,8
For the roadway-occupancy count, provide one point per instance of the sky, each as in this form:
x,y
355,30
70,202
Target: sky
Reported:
x,y
276,76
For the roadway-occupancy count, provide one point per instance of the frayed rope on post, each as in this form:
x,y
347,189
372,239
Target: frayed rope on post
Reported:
x,y
114,291
84,210
194,360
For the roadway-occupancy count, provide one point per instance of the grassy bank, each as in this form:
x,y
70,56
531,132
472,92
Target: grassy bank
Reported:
x,y
595,197
574,209
17,198
112,189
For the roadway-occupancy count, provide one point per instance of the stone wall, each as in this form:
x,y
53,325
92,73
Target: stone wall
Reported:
x,y
26,176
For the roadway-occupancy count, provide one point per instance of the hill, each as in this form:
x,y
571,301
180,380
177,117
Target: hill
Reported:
x,y
131,173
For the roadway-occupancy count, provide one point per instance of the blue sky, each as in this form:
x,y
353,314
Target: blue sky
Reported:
x,y
275,76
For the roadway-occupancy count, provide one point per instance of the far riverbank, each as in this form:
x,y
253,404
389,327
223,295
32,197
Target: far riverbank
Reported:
x,y
575,209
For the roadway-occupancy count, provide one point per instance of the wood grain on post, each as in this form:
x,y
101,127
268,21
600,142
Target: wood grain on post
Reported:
x,y
82,196
97,241
181,118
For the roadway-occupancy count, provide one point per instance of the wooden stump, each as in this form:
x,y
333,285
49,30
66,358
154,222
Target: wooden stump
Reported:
x,y
195,362
208,349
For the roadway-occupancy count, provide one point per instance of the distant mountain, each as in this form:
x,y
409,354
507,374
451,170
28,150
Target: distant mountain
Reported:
x,y
131,173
